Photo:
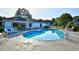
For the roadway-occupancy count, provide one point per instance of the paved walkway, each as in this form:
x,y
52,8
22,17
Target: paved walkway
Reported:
x,y
20,43
17,44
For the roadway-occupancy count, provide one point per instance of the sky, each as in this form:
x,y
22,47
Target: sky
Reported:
x,y
41,13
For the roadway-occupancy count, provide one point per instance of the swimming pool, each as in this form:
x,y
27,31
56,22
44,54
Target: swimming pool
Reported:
x,y
44,34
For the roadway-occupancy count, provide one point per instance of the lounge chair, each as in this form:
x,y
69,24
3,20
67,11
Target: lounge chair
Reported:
x,y
7,30
10,30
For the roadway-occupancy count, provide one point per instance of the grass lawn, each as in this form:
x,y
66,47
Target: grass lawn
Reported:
x,y
58,27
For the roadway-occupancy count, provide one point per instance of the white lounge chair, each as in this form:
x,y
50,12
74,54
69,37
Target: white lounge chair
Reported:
x,y
7,30
10,30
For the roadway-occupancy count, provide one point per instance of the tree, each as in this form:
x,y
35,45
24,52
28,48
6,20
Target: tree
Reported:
x,y
33,19
1,26
53,20
18,12
70,25
22,12
1,18
40,20
56,21
65,18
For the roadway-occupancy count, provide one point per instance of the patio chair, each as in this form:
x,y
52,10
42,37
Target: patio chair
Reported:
x,y
7,30
11,30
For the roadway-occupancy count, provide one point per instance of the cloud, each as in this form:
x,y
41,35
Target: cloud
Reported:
x,y
7,12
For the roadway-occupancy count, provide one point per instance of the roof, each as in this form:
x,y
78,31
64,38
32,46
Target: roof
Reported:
x,y
16,18
44,21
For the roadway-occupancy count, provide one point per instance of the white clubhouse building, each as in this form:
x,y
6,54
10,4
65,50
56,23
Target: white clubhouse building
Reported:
x,y
23,19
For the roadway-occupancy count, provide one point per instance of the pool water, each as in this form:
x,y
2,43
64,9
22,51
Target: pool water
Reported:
x,y
44,34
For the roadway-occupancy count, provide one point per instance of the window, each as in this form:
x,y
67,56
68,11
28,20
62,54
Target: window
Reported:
x,y
40,25
30,25
78,20
15,25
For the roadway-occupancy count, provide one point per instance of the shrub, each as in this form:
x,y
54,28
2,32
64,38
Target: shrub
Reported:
x,y
46,27
1,30
76,28
55,24
70,24
1,27
4,34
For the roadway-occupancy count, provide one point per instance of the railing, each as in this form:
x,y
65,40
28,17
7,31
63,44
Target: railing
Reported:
x,y
66,36
70,38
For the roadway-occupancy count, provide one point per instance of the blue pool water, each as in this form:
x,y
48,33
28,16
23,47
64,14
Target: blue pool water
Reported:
x,y
44,34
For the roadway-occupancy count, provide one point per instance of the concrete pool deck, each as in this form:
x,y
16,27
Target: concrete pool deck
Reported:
x,y
20,44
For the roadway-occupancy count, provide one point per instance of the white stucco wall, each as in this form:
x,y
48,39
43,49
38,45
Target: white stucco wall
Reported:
x,y
35,25
44,24
9,25
27,25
